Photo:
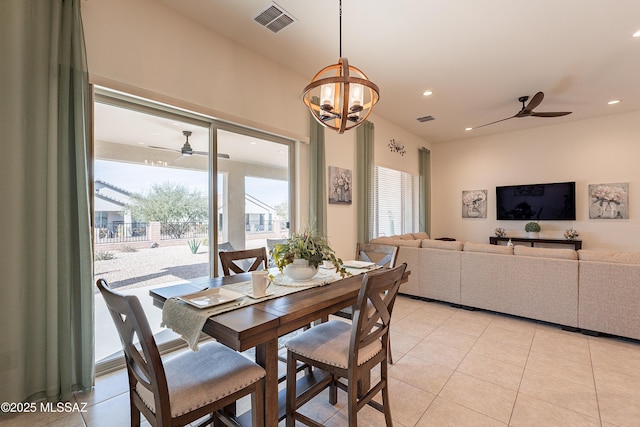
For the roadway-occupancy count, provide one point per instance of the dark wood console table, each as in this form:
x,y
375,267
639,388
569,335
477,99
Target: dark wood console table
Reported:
x,y
577,244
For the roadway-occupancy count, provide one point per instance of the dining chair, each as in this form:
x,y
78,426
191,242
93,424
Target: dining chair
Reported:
x,y
271,243
231,266
382,255
349,351
185,387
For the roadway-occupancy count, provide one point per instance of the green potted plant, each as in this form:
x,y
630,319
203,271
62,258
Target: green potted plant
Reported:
x,y
302,253
532,229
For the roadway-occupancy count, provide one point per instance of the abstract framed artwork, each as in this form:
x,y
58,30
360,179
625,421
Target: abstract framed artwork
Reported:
x,y
609,201
474,204
340,189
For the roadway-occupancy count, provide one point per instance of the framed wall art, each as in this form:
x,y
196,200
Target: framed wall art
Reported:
x,y
474,204
340,189
609,201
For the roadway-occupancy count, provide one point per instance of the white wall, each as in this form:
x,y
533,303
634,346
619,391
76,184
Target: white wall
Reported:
x,y
596,151
146,49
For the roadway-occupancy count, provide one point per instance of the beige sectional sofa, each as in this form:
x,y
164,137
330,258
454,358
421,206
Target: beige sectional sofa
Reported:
x,y
536,283
589,290
610,293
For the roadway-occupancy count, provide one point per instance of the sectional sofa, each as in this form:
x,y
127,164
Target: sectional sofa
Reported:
x,y
594,291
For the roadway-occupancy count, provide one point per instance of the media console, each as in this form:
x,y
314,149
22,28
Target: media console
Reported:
x,y
577,244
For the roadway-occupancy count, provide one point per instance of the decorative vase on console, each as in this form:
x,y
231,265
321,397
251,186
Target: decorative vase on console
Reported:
x,y
571,234
532,229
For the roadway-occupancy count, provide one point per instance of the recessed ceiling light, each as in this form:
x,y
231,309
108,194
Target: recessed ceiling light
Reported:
x,y
427,93
468,129
613,101
636,34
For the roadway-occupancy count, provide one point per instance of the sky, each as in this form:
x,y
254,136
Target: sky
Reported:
x,y
139,178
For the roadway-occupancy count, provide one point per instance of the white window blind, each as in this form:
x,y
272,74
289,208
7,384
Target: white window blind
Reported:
x,y
395,202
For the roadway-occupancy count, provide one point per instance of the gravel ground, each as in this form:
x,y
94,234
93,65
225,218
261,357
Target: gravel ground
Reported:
x,y
147,267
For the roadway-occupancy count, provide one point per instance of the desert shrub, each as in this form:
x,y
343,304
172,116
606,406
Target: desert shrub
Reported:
x,y
103,255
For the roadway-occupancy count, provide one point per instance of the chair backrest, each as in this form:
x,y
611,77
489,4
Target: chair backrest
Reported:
x,y
229,266
144,364
271,243
372,314
384,255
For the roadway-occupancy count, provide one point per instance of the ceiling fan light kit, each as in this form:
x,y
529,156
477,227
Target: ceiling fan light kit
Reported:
x,y
346,95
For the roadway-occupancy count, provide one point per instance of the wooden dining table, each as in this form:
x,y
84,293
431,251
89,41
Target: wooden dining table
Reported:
x,y
259,325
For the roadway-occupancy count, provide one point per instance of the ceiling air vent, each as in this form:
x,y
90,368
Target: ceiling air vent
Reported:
x,y
425,119
274,17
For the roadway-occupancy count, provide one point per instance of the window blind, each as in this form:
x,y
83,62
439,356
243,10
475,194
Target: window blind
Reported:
x,y
395,202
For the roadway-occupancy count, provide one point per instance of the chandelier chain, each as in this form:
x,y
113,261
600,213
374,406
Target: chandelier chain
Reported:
x,y
340,33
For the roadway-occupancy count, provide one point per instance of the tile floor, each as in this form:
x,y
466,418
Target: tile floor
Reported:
x,y
455,367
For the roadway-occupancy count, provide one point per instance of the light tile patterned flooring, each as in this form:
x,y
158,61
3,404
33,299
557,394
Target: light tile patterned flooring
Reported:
x,y
455,367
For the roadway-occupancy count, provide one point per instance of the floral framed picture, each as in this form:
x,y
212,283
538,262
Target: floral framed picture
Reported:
x,y
340,189
474,204
609,201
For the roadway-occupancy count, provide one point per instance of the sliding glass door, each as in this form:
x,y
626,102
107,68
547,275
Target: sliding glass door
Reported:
x,y
171,189
254,189
152,206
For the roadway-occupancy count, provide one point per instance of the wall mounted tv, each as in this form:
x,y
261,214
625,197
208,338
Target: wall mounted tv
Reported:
x,y
550,202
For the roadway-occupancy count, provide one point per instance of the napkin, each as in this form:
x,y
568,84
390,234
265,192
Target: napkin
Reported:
x,y
185,320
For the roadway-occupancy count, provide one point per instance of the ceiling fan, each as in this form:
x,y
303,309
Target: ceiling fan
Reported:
x,y
527,111
186,149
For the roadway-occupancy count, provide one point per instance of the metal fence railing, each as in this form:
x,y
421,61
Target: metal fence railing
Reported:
x,y
120,233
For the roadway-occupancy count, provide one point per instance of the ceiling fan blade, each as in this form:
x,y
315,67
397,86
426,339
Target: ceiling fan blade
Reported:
x,y
535,101
163,148
497,121
551,114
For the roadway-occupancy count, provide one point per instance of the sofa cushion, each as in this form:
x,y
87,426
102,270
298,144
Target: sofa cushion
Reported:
x,y
407,236
419,236
410,243
487,248
440,244
545,252
396,241
384,240
615,257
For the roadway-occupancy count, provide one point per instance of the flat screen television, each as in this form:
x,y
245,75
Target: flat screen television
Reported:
x,y
549,202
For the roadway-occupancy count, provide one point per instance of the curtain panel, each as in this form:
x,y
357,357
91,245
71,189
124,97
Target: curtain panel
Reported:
x,y
364,174
424,160
317,176
46,309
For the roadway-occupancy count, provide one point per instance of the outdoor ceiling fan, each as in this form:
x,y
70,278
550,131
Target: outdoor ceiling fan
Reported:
x,y
186,149
527,110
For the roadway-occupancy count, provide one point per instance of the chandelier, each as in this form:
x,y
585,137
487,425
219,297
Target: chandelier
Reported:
x,y
345,95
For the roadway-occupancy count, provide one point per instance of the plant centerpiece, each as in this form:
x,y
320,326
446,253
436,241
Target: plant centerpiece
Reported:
x,y
300,256
532,228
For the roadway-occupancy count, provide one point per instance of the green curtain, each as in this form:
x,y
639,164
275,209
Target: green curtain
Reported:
x,y
364,175
424,160
46,307
317,176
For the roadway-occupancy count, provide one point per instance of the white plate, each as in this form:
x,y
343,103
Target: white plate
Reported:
x,y
358,264
211,297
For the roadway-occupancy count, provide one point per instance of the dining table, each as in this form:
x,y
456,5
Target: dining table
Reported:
x,y
260,324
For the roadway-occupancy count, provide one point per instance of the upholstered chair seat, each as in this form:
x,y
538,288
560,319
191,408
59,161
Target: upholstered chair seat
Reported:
x,y
329,343
220,372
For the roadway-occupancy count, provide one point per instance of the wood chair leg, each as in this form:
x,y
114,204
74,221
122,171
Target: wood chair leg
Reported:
x,y
135,416
291,404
